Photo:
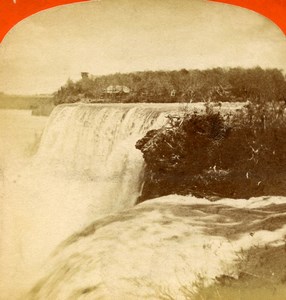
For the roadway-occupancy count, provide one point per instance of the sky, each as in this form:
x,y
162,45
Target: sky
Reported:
x,y
101,37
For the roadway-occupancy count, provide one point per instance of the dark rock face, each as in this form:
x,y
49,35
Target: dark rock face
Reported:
x,y
206,155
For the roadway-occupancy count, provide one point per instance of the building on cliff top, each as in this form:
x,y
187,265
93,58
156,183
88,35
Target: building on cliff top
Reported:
x,y
117,89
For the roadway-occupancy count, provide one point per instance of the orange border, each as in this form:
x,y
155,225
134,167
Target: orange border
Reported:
x,y
13,11
274,10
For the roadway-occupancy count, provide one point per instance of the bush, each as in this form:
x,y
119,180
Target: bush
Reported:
x,y
236,156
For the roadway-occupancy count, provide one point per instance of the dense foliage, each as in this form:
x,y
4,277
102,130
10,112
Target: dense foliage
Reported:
x,y
235,156
232,84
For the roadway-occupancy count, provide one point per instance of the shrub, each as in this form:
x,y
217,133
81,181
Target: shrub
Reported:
x,y
236,156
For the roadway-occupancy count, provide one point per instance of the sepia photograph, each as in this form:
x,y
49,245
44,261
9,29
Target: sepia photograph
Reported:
x,y
143,153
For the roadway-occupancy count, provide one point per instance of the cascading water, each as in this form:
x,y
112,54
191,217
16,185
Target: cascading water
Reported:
x,y
86,167
88,172
97,143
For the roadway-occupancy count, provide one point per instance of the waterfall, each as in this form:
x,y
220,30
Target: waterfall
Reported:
x,y
97,143
86,167
70,215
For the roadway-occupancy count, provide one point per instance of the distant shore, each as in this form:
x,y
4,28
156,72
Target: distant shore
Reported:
x,y
41,105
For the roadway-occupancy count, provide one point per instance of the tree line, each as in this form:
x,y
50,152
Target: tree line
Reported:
x,y
217,84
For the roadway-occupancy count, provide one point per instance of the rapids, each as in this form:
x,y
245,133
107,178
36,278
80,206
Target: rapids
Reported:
x,y
166,248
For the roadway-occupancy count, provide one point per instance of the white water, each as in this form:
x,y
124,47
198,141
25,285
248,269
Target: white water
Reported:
x,y
96,143
87,167
162,249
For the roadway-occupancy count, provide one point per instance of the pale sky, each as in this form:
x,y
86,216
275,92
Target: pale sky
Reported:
x,y
101,37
